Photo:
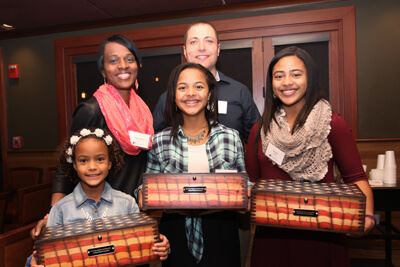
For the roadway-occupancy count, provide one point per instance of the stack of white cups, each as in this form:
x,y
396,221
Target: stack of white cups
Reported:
x,y
390,168
380,162
376,175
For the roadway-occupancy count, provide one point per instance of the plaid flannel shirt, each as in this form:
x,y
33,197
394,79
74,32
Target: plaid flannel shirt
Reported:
x,y
224,151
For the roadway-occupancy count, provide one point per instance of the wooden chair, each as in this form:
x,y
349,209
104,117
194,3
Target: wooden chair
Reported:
x,y
19,177
33,203
16,183
15,246
50,174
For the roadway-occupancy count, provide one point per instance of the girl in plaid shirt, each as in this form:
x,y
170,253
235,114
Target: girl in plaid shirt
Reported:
x,y
196,142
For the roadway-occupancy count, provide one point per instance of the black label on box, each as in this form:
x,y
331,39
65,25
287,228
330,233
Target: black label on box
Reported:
x,y
307,213
194,189
101,250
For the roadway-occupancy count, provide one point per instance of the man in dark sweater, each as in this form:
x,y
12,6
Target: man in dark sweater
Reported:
x,y
236,107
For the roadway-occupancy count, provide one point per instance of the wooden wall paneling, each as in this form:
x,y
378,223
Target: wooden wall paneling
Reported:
x,y
165,35
40,159
269,53
19,177
334,70
281,20
61,92
195,11
33,203
348,54
15,246
279,31
3,121
258,73
3,204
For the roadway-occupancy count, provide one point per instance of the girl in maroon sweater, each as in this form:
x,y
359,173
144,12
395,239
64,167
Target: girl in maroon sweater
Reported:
x,y
303,139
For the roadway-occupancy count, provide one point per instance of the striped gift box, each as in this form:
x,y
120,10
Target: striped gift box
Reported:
x,y
113,241
311,206
195,191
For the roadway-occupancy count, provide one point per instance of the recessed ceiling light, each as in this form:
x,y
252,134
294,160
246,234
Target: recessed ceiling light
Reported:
x,y
7,27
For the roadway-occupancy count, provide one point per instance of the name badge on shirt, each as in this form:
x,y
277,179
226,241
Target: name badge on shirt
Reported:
x,y
222,107
225,171
275,154
139,139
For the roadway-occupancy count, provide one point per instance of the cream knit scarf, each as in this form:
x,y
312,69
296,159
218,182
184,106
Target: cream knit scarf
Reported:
x,y
307,150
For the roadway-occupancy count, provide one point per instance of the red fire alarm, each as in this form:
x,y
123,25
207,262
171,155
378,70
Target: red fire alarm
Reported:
x,y
17,142
13,71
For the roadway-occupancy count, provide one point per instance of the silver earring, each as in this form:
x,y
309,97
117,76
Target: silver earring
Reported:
x,y
104,79
210,107
136,85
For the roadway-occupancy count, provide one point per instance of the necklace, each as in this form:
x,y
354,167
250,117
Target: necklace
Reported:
x,y
197,138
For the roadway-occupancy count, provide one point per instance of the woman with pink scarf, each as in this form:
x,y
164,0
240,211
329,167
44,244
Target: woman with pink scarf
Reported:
x,y
115,106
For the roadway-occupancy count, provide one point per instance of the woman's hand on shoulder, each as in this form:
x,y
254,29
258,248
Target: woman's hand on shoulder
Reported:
x,y
162,248
35,232
140,198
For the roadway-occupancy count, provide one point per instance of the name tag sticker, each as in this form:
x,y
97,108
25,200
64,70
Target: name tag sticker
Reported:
x,y
139,139
275,154
222,107
225,171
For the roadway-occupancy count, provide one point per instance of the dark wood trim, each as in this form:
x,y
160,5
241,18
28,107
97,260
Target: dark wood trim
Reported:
x,y
258,73
348,55
339,22
3,117
188,13
378,140
334,66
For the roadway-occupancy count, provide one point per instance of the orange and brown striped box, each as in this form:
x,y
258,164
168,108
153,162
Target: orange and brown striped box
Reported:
x,y
311,206
195,191
114,241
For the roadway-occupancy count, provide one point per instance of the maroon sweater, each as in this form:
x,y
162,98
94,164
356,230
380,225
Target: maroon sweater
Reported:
x,y
288,247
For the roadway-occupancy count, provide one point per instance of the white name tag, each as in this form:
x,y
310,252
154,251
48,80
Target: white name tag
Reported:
x,y
139,139
222,107
275,154
225,171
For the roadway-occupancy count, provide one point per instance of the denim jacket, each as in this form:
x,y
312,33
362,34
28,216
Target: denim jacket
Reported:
x,y
77,206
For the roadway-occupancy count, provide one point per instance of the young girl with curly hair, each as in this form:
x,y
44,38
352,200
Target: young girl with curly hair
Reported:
x,y
89,158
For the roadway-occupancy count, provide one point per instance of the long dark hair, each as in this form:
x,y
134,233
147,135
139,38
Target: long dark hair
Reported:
x,y
313,94
173,115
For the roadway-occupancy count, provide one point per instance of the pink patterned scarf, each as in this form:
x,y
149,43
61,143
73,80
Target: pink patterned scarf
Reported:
x,y
122,119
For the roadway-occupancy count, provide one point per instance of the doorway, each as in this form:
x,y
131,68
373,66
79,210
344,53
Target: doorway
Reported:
x,y
235,60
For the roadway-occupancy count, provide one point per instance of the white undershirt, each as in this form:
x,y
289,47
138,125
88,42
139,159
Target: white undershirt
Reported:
x,y
198,161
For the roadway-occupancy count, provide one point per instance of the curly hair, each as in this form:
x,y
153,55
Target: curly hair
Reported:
x,y
114,154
